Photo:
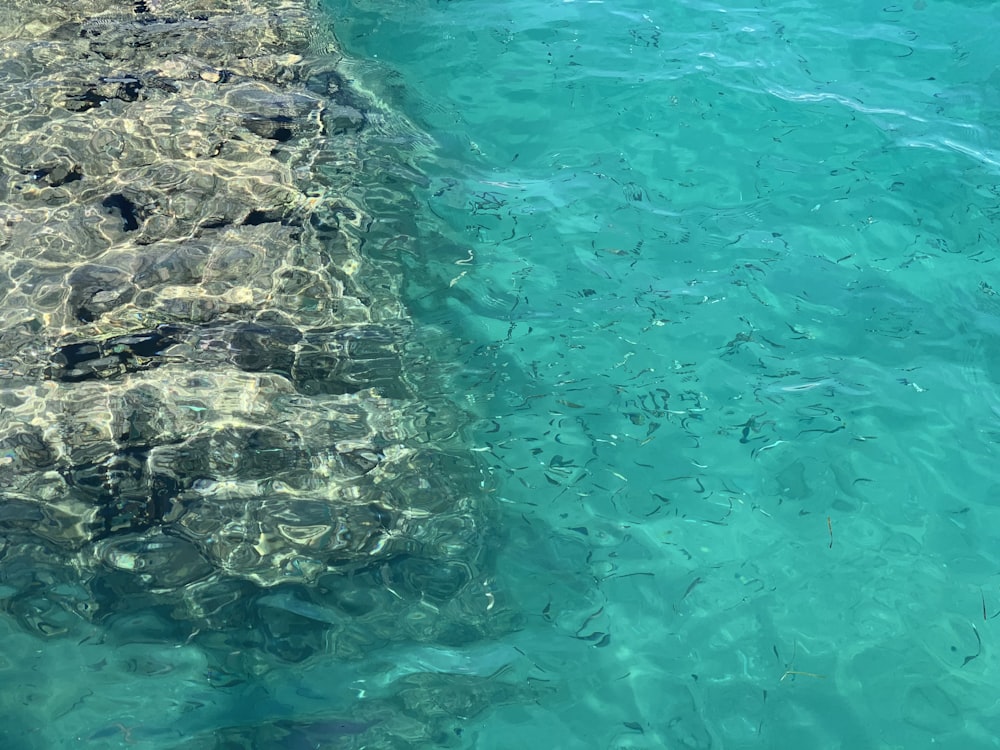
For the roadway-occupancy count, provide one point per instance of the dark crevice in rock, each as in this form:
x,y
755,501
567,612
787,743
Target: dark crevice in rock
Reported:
x,y
87,100
99,360
335,361
257,217
127,88
125,208
56,176
125,494
276,128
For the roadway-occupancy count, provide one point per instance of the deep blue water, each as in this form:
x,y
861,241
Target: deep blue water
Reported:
x,y
718,285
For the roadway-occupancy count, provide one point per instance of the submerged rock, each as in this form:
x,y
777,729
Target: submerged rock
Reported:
x,y
206,389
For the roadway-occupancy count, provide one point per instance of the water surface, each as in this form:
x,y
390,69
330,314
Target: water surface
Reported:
x,y
716,287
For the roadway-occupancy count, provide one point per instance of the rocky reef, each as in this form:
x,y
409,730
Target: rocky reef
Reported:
x,y
208,389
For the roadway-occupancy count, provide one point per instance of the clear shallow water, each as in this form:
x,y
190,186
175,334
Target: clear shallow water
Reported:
x,y
718,283
724,277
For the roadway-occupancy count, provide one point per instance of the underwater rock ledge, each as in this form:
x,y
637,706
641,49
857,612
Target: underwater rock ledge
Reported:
x,y
206,389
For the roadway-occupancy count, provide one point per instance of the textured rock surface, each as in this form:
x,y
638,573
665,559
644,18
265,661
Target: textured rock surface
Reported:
x,y
204,384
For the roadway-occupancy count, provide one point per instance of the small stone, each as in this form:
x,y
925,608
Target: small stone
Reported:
x,y
212,76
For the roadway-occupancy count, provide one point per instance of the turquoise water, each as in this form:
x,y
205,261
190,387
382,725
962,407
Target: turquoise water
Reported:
x,y
718,286
724,278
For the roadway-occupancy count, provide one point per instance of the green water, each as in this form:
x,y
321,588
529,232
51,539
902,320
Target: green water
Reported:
x,y
723,279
